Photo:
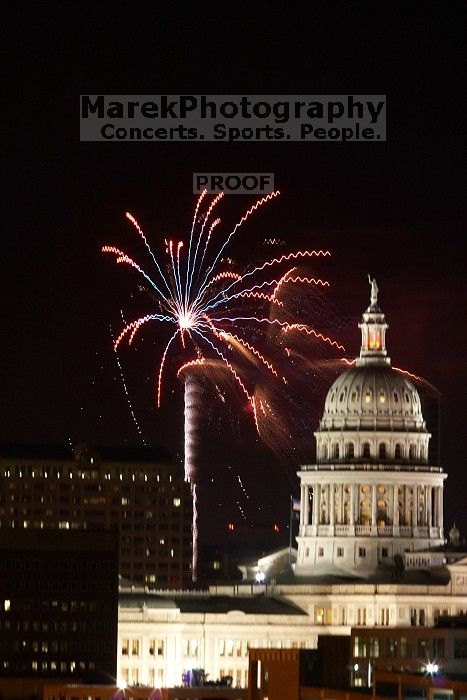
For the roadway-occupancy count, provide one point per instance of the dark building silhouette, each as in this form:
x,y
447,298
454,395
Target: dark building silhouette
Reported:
x,y
58,604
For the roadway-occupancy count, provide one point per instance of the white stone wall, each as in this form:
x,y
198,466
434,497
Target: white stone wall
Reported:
x,y
219,642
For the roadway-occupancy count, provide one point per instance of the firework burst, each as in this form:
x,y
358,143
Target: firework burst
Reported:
x,y
216,314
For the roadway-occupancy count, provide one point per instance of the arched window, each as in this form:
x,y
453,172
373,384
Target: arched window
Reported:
x,y
336,451
350,450
398,452
412,452
382,450
366,449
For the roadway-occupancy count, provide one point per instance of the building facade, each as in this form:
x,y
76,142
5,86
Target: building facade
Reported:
x,y
372,493
58,605
137,492
163,635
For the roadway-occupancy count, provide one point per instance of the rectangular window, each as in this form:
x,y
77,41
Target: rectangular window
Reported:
x,y
421,617
361,616
384,617
359,647
320,552
405,648
460,648
135,647
319,616
423,649
340,551
156,647
438,647
413,617
391,646
373,644
362,552
125,647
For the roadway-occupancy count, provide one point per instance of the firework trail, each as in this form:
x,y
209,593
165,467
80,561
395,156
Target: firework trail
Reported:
x,y
125,389
214,314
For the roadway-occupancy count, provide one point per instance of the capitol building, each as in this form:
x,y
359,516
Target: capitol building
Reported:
x,y
372,494
372,500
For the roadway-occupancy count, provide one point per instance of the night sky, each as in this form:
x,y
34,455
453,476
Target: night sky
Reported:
x,y
393,209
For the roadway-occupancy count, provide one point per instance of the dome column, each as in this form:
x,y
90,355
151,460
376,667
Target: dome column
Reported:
x,y
374,529
415,510
440,511
428,506
332,507
315,515
307,506
352,488
395,512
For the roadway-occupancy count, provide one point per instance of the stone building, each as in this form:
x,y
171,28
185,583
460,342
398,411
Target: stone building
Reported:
x,y
372,493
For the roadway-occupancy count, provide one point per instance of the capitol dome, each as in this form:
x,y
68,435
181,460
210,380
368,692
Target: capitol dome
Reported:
x,y
372,493
372,411
372,396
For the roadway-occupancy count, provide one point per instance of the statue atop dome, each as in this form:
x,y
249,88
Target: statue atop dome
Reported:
x,y
374,291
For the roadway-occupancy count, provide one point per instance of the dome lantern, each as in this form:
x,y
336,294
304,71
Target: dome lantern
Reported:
x,y
373,328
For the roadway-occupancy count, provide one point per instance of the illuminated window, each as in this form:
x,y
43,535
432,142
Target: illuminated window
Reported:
x,y
359,648
6,605
361,617
382,397
373,647
176,502
216,565
135,647
156,647
190,647
368,397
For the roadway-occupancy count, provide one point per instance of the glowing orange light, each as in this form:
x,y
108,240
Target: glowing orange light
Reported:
x,y
231,527
276,527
